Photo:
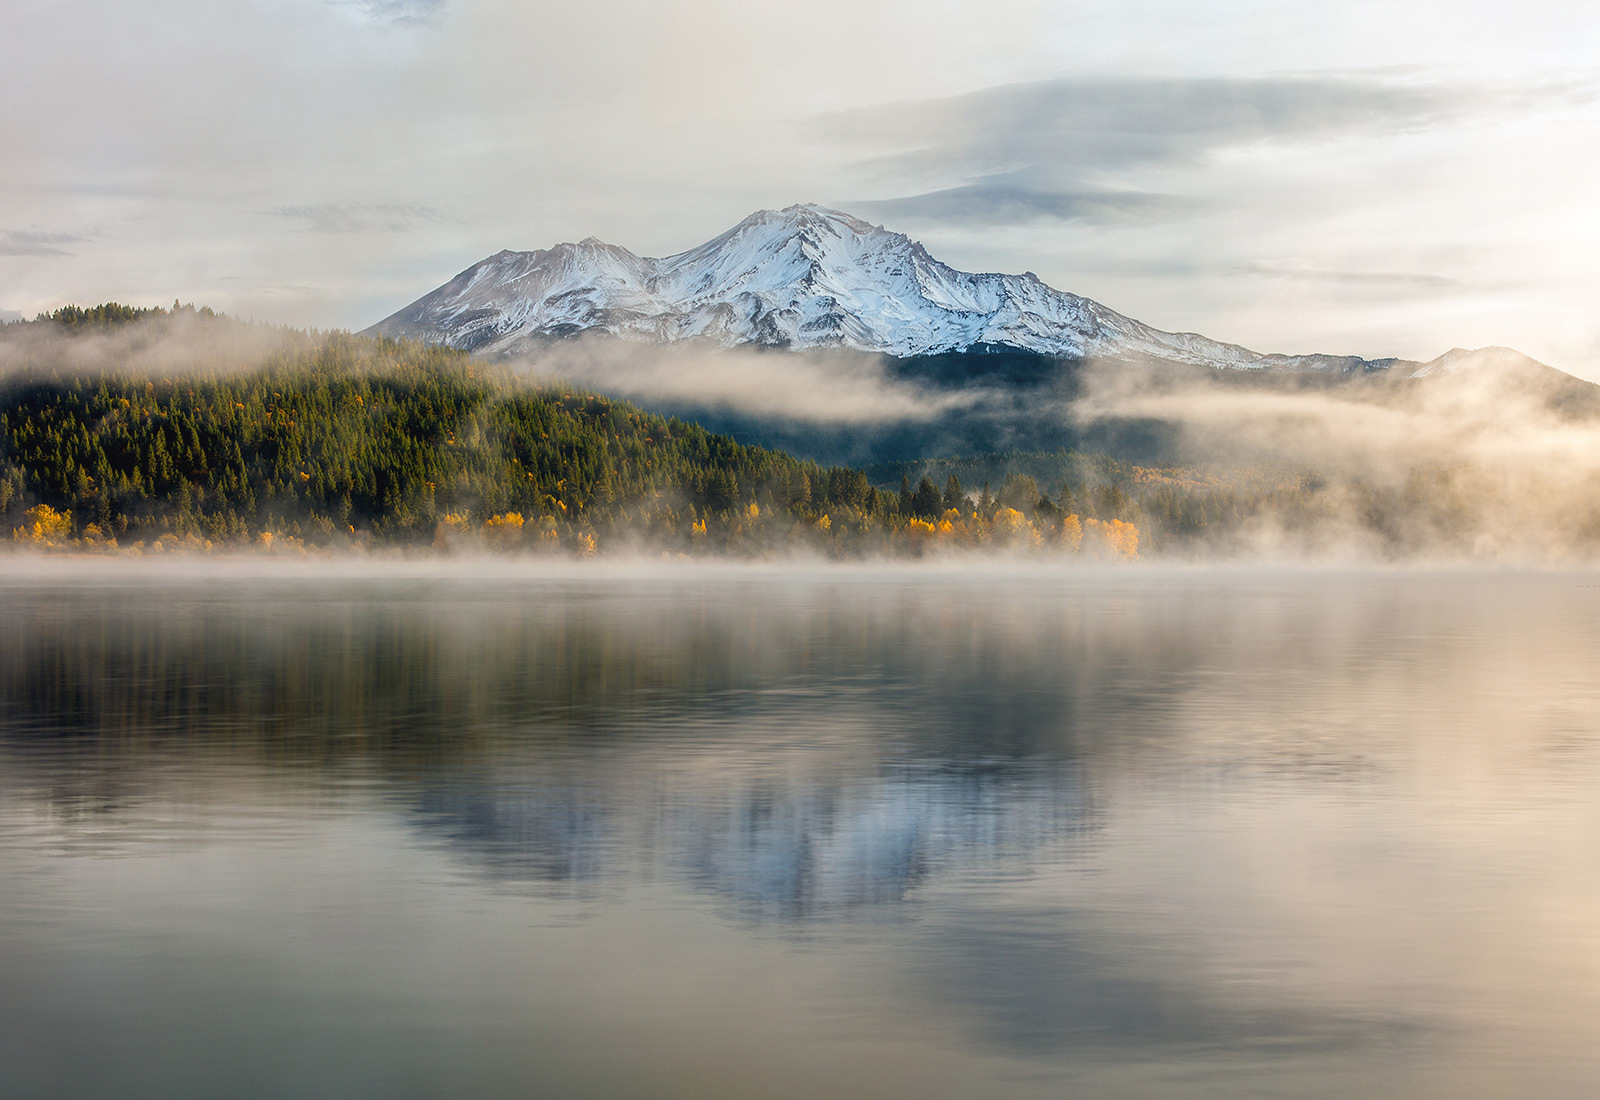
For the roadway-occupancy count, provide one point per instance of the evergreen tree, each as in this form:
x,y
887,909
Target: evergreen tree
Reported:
x,y
953,496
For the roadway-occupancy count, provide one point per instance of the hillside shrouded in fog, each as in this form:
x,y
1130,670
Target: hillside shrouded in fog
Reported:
x,y
186,430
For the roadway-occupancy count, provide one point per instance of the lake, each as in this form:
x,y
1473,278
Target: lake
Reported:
x,y
479,831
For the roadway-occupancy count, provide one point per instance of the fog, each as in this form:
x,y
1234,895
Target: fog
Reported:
x,y
835,387
1487,455
182,341
1484,456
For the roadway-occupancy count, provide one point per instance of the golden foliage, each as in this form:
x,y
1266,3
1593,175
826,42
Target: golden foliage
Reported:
x,y
44,526
274,544
1071,534
548,538
503,531
1113,538
1011,528
452,526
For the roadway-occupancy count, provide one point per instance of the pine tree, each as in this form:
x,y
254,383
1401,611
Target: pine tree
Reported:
x,y
953,496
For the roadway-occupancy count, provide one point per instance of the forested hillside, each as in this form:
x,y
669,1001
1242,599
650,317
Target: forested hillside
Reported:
x,y
334,440
140,431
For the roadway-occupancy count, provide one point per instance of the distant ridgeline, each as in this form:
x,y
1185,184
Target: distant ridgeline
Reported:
x,y
127,430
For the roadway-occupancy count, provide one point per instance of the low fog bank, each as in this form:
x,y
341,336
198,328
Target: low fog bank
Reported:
x,y
1480,456
993,571
839,406
847,388
154,343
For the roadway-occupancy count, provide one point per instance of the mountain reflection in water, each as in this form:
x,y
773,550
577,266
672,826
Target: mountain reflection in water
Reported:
x,y
784,849
1137,832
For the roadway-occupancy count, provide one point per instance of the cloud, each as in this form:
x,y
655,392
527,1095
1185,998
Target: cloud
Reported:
x,y
397,11
289,288
27,242
998,201
660,125
1397,280
1046,149
362,217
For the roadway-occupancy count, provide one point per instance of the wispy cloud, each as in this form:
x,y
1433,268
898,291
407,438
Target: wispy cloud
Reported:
x,y
1399,280
1063,149
1003,201
27,242
397,11
289,288
361,217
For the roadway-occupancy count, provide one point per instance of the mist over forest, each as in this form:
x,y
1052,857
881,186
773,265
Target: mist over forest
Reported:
x,y
168,430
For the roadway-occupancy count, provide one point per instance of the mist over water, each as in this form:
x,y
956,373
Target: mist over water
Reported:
x,y
1125,832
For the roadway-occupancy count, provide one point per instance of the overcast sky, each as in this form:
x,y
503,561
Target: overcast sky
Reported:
x,y
1376,177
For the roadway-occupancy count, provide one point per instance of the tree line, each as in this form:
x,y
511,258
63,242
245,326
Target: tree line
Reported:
x,y
341,441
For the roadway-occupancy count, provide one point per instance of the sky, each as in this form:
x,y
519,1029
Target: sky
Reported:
x,y
1351,176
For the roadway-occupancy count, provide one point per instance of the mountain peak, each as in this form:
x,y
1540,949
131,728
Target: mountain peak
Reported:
x,y
806,220
805,276
811,213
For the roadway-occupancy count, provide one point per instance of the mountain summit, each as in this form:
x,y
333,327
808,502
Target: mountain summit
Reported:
x,y
801,277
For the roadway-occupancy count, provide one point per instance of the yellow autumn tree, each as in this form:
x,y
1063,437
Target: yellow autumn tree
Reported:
x,y
95,538
547,537
1112,538
44,526
1072,534
452,526
1011,528
919,534
503,531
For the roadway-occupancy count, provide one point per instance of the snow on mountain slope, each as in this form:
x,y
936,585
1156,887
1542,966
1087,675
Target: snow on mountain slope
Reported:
x,y
802,277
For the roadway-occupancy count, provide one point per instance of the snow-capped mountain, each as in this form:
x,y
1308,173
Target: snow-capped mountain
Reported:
x,y
802,277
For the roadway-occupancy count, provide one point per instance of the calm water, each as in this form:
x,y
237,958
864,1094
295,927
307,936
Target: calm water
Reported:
x,y
1131,834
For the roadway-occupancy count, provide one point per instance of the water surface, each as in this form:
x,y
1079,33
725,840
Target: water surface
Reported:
x,y
1131,833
